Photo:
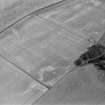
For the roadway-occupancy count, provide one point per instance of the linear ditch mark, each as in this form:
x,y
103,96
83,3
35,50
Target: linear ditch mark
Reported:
x,y
21,69
34,12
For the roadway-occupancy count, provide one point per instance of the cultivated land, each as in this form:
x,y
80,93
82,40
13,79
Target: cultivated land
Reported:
x,y
38,47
